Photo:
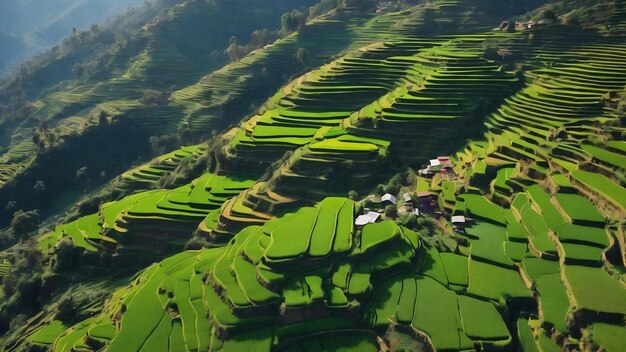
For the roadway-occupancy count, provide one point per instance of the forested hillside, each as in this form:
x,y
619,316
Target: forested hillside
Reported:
x,y
344,175
28,27
121,82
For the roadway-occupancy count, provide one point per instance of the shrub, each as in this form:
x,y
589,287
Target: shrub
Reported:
x,y
196,242
302,57
65,309
153,97
549,15
409,220
67,255
391,211
292,21
24,222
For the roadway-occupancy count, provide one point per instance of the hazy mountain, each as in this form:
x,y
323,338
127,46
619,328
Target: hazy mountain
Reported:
x,y
31,26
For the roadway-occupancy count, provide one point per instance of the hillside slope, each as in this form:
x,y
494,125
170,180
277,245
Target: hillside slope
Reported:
x,y
122,83
36,26
514,238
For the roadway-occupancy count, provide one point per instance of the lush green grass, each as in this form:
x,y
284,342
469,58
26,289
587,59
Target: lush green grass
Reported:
x,y
324,232
554,301
584,283
339,341
515,250
256,340
388,294
550,214
287,243
579,209
376,234
407,301
433,267
583,235
48,334
349,341
483,208
604,155
456,268
537,267
481,320
490,244
444,330
314,231
525,335
516,232
494,282
609,337
538,230
603,185
582,254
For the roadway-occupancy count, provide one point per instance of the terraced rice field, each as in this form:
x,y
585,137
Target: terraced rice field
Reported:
x,y
132,220
538,267
246,281
147,175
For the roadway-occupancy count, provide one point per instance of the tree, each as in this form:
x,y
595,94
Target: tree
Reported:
x,y
354,195
262,37
322,7
391,188
184,133
154,145
67,255
65,309
22,284
82,175
196,242
359,5
292,21
235,51
78,70
428,225
39,187
302,57
24,222
409,220
391,211
549,15
152,97
102,118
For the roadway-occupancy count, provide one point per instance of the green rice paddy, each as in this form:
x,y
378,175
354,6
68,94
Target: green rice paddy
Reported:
x,y
542,178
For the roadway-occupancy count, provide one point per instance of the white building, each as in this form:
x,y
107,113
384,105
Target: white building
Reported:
x,y
367,218
407,197
458,221
389,198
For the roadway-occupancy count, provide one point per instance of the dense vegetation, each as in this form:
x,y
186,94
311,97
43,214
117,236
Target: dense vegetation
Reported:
x,y
28,27
240,234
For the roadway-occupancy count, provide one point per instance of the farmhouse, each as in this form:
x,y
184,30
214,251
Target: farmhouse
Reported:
x,y
437,165
444,161
458,222
367,218
407,197
407,204
389,199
